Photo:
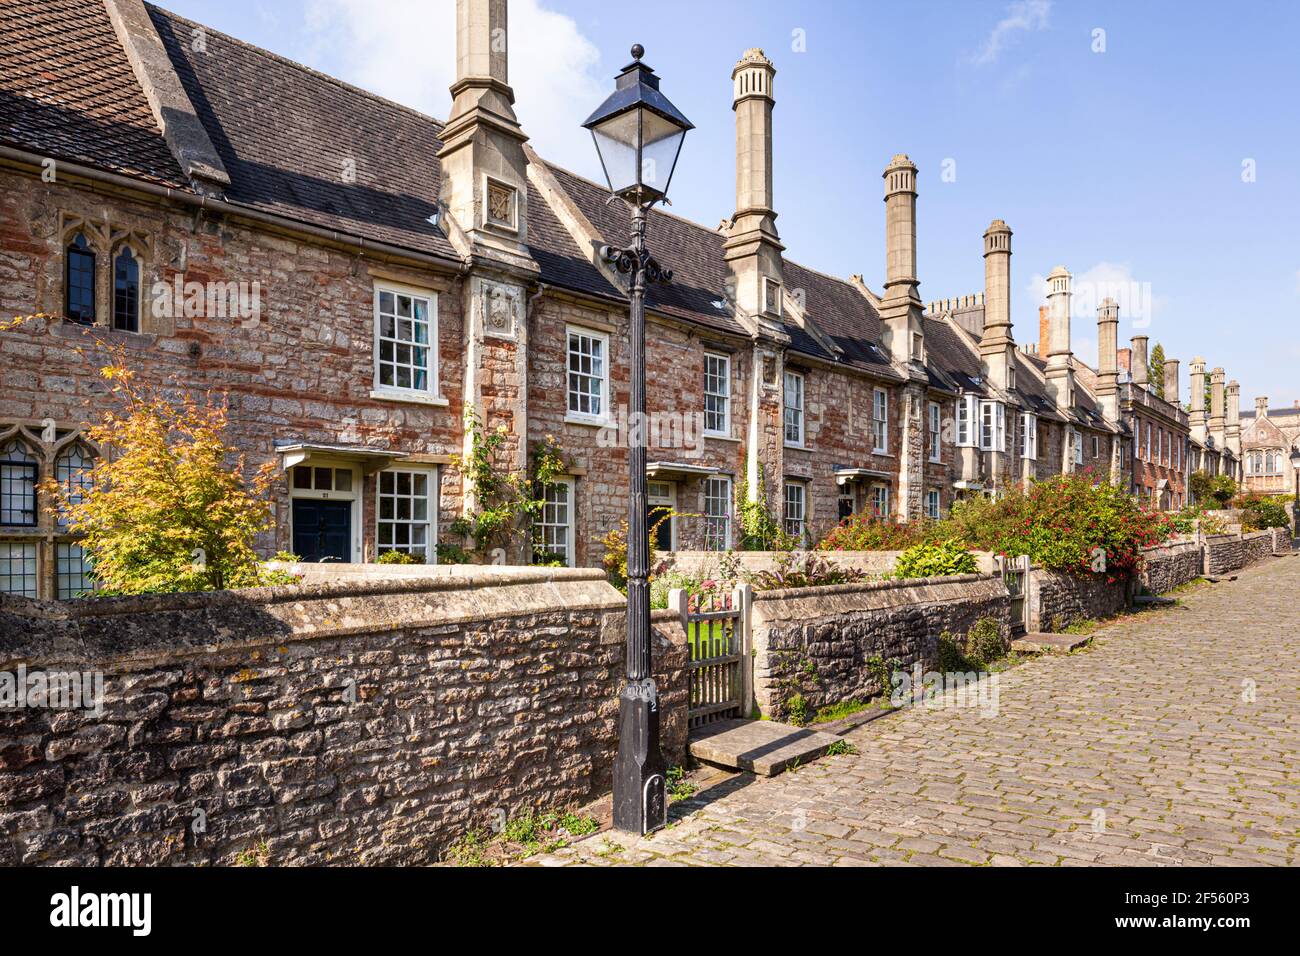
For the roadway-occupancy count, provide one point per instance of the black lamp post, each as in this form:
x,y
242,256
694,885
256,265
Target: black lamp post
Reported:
x,y
1295,464
638,136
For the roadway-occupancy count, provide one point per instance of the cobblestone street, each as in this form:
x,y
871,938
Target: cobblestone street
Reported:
x,y
1173,740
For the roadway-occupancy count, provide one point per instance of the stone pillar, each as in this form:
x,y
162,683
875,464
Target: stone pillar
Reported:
x,y
1232,419
1060,375
1218,408
1196,417
484,166
1141,362
753,247
1171,381
1108,358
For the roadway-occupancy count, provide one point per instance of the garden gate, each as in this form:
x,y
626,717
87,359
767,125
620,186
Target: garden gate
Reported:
x,y
1015,575
720,669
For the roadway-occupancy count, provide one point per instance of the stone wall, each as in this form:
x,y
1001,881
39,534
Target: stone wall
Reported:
x,y
358,723
1226,553
1057,600
1166,567
816,642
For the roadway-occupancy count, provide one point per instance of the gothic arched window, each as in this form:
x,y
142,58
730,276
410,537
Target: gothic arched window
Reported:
x,y
79,285
72,472
126,291
18,474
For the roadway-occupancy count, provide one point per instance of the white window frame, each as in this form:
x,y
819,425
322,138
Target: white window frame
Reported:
x,y
879,499
795,379
571,501
993,426
1029,436
711,520
1076,439
724,396
800,524
880,421
431,515
968,421
430,394
581,417
936,433
932,504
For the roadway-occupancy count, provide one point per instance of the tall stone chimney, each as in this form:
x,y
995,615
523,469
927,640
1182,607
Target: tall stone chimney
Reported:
x,y
1218,408
901,309
1261,408
1141,362
484,169
1196,417
903,329
1171,381
1108,358
1044,331
1060,374
1232,418
753,248
997,347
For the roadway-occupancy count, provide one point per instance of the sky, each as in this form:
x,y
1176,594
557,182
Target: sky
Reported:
x,y
1151,148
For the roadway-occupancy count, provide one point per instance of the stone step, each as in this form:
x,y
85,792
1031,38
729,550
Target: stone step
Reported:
x,y
759,746
1039,643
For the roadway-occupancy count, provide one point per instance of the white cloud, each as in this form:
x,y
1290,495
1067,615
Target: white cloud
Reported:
x,y
405,50
1023,16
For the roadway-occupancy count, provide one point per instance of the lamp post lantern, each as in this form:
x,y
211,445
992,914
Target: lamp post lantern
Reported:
x,y
638,135
1295,463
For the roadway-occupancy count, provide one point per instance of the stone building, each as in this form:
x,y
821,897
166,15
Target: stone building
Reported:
x,y
357,278
1268,439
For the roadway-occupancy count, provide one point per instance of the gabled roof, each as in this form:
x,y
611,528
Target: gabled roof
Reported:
x,y
290,139
68,92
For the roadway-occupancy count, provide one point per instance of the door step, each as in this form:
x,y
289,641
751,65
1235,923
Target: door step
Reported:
x,y
1049,643
763,747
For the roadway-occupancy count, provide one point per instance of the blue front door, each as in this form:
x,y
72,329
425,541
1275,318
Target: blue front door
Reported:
x,y
322,530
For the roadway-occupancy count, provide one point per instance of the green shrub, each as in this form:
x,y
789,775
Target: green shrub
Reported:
x,y
866,532
399,557
935,561
796,710
985,643
1259,513
951,659
1212,490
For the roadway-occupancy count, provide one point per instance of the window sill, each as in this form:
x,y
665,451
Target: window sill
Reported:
x,y
586,420
794,447
719,436
408,398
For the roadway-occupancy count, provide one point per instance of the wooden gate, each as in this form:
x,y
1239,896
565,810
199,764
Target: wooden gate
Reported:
x,y
1015,575
719,670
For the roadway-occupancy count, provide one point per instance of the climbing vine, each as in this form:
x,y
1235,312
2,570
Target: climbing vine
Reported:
x,y
506,502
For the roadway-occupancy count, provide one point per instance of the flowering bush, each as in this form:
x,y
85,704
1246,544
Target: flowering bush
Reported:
x,y
809,570
866,532
1069,522
1260,512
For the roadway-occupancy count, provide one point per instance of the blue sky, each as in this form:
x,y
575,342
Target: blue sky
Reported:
x,y
1127,164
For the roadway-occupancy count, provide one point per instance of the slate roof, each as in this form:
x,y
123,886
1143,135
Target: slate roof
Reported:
x,y
286,135
68,92
285,132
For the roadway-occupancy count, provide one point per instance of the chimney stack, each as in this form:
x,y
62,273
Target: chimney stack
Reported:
x,y
1261,407
1218,407
997,347
753,247
901,311
484,167
1171,381
1108,358
1141,362
1124,360
1232,418
1044,331
1060,374
1196,418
